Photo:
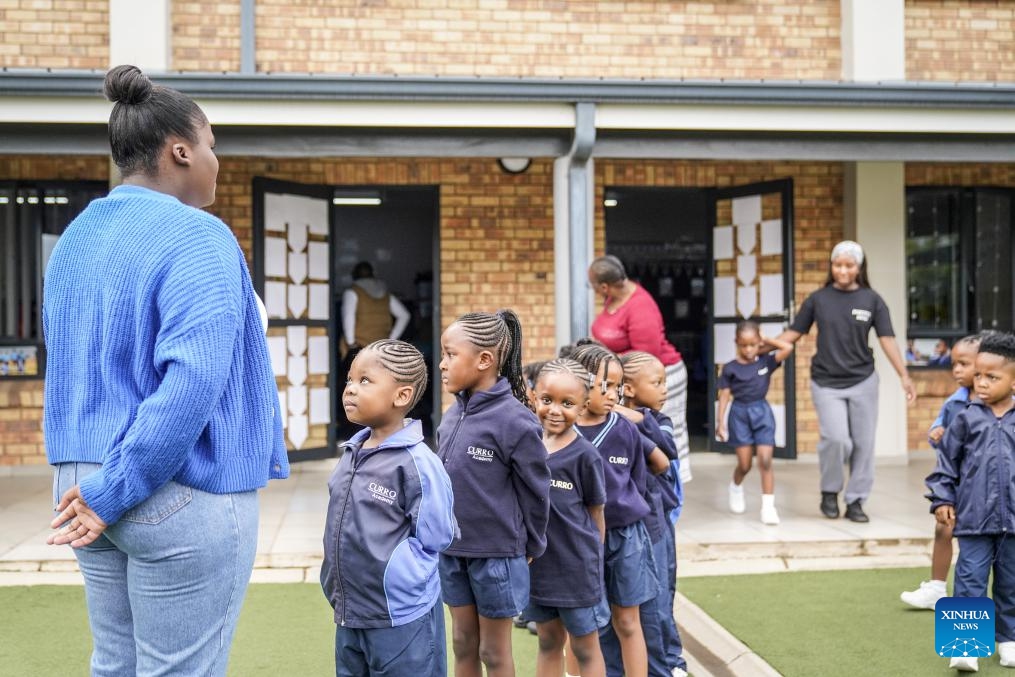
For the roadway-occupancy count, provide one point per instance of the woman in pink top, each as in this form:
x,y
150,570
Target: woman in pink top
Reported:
x,y
631,321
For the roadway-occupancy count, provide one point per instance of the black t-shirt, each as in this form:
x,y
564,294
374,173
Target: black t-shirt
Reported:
x,y
570,572
844,319
748,382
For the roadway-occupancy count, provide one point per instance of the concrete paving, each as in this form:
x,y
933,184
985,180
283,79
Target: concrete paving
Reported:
x,y
710,540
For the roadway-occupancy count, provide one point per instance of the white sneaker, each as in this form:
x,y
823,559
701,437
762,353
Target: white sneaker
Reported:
x,y
1006,650
926,596
737,503
964,664
678,672
769,515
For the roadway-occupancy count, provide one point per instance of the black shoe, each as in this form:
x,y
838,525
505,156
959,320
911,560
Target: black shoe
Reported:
x,y
829,504
854,513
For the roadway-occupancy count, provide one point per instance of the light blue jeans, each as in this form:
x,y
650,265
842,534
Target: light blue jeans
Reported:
x,y
165,584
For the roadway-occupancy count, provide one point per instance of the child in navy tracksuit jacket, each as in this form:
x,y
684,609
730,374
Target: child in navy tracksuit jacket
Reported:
x,y
390,515
973,488
629,565
491,445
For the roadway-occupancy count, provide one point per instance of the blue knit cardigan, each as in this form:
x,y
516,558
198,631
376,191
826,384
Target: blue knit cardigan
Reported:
x,y
157,365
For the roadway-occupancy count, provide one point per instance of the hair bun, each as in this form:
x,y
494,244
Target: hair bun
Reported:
x,y
127,85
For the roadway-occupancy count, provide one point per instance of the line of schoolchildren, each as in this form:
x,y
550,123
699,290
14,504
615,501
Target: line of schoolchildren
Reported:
x,y
565,514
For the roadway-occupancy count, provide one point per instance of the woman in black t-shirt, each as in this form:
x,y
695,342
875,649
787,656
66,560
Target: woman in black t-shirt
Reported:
x,y
844,386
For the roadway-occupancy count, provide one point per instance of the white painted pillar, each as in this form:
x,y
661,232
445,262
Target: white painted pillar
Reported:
x,y
874,198
139,34
873,40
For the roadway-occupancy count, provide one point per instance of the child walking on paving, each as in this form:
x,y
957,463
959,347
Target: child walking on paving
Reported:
x,y
963,357
567,595
492,447
389,516
751,421
972,489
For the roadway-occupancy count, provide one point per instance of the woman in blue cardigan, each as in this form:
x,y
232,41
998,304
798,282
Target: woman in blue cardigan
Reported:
x,y
161,413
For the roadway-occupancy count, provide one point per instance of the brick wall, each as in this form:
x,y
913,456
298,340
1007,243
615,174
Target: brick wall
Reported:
x,y
206,35
953,40
524,38
817,204
54,33
496,229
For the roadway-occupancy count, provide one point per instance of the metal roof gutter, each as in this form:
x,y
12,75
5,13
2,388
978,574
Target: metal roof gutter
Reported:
x,y
450,89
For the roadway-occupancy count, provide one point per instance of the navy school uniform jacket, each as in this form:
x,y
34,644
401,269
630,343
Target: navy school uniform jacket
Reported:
x,y
390,515
658,428
570,573
623,450
975,472
492,448
949,410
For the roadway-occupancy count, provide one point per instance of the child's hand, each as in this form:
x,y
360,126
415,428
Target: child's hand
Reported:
x,y
936,434
721,433
945,515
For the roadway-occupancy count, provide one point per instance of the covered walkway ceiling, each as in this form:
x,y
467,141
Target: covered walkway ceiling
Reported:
x,y
289,115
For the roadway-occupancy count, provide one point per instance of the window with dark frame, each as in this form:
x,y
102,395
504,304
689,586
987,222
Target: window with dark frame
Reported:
x,y
959,250
33,215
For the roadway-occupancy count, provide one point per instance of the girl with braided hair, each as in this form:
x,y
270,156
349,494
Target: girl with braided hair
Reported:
x,y
629,569
390,515
645,393
567,595
491,445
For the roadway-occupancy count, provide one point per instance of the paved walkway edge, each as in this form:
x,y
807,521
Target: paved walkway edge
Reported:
x,y
719,652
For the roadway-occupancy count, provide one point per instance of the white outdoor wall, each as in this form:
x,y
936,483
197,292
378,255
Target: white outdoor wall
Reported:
x,y
873,40
139,34
875,216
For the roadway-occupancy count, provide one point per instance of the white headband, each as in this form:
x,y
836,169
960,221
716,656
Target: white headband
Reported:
x,y
848,248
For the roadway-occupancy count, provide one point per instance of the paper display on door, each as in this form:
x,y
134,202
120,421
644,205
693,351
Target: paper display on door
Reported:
x,y
724,295
722,243
725,342
772,302
320,406
317,355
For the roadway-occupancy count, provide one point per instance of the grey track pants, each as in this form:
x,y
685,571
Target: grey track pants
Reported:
x,y
847,418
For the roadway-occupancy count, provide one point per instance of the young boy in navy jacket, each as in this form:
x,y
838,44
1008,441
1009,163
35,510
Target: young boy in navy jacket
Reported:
x,y
973,488
390,516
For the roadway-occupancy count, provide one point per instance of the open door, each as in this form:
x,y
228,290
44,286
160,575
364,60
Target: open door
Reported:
x,y
292,273
752,278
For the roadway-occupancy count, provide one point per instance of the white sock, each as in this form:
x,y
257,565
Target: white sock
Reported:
x,y
736,488
940,585
768,500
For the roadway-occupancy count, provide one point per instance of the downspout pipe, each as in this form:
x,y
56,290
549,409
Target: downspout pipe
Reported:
x,y
580,215
248,43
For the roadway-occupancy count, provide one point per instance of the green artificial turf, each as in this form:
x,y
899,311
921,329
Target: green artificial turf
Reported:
x,y
829,623
283,630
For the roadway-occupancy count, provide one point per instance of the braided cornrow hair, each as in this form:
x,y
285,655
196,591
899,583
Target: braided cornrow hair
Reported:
x,y
502,333
404,362
634,361
592,356
564,365
531,371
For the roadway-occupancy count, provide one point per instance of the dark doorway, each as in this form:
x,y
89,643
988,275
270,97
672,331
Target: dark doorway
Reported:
x,y
394,228
662,236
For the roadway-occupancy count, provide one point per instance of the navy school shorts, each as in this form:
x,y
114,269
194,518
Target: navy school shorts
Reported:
x,y
630,567
751,423
498,586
